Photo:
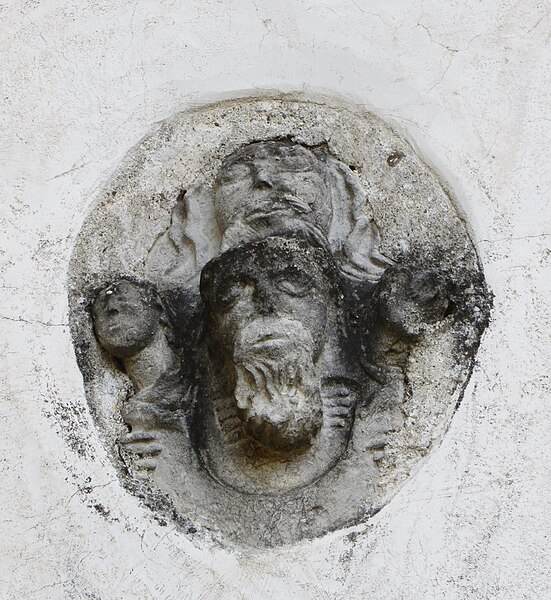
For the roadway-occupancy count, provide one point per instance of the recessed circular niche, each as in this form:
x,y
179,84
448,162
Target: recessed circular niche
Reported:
x,y
275,307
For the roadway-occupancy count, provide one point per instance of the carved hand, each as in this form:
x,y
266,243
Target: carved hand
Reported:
x,y
145,418
143,447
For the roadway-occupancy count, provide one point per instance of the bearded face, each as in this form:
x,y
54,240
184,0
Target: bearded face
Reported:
x,y
267,305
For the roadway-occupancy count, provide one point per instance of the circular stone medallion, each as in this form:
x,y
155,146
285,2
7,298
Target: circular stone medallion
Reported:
x,y
276,308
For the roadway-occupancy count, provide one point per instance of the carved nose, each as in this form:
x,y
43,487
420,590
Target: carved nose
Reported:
x,y
263,300
263,178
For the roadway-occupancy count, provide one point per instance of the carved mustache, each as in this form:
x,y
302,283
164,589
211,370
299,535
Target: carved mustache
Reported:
x,y
284,201
279,339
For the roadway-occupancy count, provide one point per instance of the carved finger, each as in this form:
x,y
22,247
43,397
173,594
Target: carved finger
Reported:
x,y
145,449
145,464
137,436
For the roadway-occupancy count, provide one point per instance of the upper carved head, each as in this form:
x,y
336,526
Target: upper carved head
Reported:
x,y
126,317
267,310
269,186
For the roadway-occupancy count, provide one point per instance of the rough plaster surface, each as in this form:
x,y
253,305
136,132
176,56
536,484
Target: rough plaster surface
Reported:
x,y
468,85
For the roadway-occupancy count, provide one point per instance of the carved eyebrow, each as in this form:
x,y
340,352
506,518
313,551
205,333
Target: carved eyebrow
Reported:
x,y
226,280
295,158
291,271
228,172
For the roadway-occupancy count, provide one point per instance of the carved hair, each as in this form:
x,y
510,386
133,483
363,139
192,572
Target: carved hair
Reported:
x,y
351,236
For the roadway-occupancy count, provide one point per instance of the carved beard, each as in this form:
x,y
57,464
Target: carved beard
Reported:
x,y
277,388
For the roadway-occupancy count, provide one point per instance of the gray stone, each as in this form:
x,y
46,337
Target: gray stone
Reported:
x,y
280,330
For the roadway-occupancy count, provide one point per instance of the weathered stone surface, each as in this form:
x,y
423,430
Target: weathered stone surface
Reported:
x,y
467,85
306,286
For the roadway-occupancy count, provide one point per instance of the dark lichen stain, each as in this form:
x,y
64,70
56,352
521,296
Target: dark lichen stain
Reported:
x,y
104,512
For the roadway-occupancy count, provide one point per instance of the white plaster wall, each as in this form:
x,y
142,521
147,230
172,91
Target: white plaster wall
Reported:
x,y
468,82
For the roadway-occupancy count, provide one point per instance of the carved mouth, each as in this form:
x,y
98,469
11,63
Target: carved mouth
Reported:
x,y
269,339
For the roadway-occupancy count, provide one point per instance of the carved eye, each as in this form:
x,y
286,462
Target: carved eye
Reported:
x,y
231,293
233,173
296,164
295,284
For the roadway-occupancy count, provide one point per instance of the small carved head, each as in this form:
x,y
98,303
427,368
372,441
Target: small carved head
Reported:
x,y
126,317
408,300
267,186
267,307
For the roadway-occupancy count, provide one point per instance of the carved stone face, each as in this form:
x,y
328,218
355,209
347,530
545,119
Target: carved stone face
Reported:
x,y
281,182
126,318
267,309
283,404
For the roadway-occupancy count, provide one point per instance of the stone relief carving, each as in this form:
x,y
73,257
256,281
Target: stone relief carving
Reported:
x,y
275,370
